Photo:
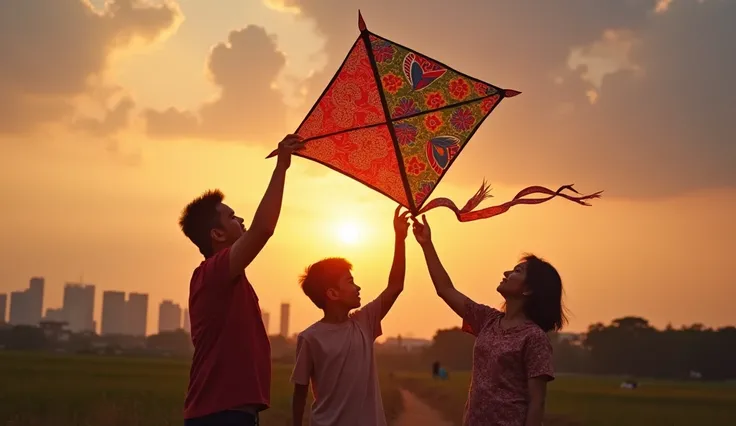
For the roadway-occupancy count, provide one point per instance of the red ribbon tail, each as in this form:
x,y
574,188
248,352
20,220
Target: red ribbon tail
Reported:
x,y
466,214
482,193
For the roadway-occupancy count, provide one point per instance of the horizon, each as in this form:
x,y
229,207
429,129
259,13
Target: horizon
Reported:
x,y
153,326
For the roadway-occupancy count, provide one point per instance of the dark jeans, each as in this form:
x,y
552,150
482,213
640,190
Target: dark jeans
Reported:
x,y
224,418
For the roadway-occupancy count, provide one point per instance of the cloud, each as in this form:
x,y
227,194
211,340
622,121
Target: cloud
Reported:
x,y
53,51
608,55
115,119
249,106
617,95
288,6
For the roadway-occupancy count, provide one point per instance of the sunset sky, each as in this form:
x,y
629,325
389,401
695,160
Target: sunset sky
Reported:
x,y
116,113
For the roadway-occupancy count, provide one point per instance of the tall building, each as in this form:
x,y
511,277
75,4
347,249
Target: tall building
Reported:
x,y
79,307
187,324
113,313
26,306
3,304
169,316
35,300
136,314
19,308
285,319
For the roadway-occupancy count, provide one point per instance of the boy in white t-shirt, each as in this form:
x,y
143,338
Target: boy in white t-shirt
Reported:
x,y
335,354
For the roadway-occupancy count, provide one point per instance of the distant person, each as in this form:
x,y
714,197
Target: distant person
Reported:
x,y
438,371
512,358
230,377
336,354
442,373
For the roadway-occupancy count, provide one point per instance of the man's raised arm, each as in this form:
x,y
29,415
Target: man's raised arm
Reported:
x,y
247,247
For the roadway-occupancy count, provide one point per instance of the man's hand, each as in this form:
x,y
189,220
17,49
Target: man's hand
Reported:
x,y
422,231
288,146
401,223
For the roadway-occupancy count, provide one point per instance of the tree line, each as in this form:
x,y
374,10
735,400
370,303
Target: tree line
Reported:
x,y
628,346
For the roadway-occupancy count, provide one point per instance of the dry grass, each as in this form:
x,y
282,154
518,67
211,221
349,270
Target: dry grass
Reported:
x,y
44,389
597,401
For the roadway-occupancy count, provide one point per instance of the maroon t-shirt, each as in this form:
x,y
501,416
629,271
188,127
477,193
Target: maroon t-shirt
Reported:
x,y
503,362
232,354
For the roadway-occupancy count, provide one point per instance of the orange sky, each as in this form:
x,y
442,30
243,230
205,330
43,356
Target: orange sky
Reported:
x,y
95,189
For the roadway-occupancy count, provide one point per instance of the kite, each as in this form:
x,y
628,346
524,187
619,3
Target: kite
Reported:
x,y
395,120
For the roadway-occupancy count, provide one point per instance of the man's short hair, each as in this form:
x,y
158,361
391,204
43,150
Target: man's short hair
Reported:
x,y
320,276
199,217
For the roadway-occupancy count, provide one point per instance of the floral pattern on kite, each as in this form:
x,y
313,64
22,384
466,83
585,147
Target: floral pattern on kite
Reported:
x,y
413,83
430,142
366,155
396,120
351,100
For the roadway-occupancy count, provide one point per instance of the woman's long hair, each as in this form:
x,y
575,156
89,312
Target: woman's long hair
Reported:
x,y
544,303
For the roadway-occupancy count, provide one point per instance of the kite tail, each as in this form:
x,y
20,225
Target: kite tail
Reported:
x,y
482,193
466,214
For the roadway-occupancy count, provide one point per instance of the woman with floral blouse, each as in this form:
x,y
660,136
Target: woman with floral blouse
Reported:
x,y
512,357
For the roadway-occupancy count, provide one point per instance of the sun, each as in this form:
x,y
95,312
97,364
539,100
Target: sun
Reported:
x,y
349,232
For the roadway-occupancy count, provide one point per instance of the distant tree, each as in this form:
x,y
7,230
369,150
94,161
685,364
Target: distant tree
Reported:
x,y
570,355
175,342
453,348
26,338
631,346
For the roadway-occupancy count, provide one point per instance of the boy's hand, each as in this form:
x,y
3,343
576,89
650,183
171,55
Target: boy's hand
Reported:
x,y
422,232
288,146
401,223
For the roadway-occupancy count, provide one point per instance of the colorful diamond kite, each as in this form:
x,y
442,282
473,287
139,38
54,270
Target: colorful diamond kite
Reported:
x,y
395,120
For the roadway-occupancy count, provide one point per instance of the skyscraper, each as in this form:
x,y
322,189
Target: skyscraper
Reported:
x,y
113,313
187,325
26,306
266,317
79,307
136,314
285,320
3,304
19,308
35,300
169,316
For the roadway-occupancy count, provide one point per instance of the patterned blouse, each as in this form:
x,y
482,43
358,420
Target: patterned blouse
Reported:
x,y
503,361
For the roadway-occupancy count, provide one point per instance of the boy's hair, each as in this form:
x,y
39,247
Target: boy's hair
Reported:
x,y
544,305
320,276
199,217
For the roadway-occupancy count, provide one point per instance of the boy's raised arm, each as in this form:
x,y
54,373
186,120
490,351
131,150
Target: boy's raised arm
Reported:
x,y
398,267
247,247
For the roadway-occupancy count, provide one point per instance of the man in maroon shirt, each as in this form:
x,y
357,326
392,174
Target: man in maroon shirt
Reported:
x,y
230,377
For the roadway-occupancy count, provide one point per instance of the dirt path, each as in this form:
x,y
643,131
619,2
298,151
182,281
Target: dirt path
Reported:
x,y
416,412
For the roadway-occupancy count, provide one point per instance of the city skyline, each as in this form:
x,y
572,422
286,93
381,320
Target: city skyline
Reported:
x,y
117,315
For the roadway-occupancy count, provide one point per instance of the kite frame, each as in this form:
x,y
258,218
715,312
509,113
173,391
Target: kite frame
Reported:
x,y
364,37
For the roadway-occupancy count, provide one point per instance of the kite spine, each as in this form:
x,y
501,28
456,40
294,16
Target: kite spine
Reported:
x,y
365,35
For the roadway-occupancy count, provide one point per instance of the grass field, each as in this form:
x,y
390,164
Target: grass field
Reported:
x,y
596,401
44,389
